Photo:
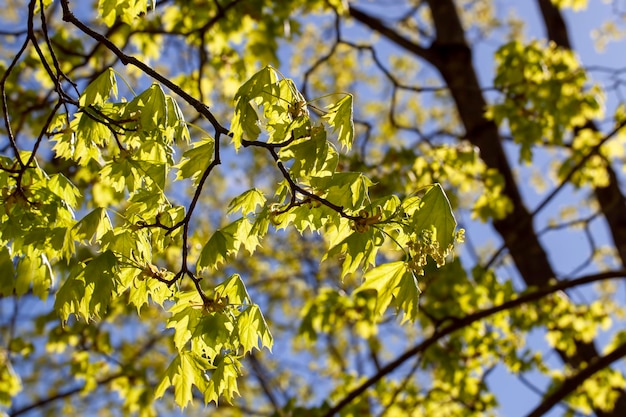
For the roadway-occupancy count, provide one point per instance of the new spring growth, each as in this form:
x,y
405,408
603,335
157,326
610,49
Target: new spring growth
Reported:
x,y
364,221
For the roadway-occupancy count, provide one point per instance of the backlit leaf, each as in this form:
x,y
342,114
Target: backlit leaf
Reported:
x,y
93,226
252,330
357,249
262,86
435,213
393,280
186,370
235,289
216,250
88,290
223,381
339,116
34,269
64,189
196,160
100,90
346,189
125,10
247,202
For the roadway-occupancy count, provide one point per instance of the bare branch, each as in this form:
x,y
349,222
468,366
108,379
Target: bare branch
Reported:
x,y
393,35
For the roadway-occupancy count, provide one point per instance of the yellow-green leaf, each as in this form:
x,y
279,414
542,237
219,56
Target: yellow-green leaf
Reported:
x,y
187,369
393,280
196,160
339,116
100,90
223,380
247,202
252,330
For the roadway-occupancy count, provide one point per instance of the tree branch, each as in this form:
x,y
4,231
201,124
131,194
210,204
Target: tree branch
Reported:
x,y
68,393
60,395
200,107
460,323
569,385
391,34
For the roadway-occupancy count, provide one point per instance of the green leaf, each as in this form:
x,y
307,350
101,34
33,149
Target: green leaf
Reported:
x,y
144,291
339,116
332,308
34,269
146,203
247,202
131,244
176,125
261,223
101,280
125,10
274,106
407,295
311,156
575,5
89,135
88,291
121,174
64,189
186,370
7,277
45,3
357,249
285,115
93,226
435,214
393,280
70,299
235,289
152,173
151,107
185,317
244,234
259,90
319,314
223,380
196,160
227,241
216,250
252,330
345,189
213,334
537,78
10,382
100,90
74,144
308,216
